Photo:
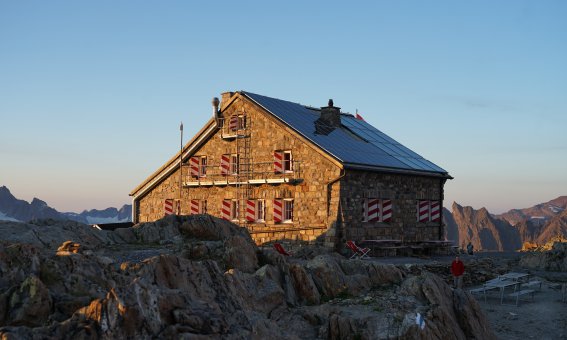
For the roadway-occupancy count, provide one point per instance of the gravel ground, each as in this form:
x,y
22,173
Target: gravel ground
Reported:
x,y
543,318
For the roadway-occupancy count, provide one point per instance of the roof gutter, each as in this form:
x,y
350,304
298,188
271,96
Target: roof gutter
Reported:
x,y
397,171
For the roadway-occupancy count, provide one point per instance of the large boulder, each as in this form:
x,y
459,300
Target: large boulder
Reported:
x,y
447,313
29,304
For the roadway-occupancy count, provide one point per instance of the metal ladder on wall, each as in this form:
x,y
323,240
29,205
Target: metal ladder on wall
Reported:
x,y
243,150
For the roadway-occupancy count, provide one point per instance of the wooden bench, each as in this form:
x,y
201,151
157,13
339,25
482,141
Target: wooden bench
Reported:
x,y
522,292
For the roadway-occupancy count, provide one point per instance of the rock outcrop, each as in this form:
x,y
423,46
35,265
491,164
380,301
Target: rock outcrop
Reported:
x,y
554,259
202,277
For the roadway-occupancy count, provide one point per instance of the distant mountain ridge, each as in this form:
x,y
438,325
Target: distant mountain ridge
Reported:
x,y
539,213
508,231
13,209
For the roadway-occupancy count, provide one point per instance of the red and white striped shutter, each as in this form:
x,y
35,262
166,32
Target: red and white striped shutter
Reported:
x,y
250,210
435,213
278,162
225,165
194,207
278,210
225,209
233,125
168,207
386,210
194,164
423,211
373,210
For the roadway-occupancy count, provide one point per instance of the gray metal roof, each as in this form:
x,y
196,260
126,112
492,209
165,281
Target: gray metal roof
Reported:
x,y
355,144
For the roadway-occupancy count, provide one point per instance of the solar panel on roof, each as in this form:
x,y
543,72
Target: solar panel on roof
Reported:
x,y
373,148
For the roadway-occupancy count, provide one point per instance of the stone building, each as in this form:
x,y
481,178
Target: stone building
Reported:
x,y
287,171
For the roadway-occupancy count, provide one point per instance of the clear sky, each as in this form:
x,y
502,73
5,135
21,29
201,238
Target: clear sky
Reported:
x,y
92,92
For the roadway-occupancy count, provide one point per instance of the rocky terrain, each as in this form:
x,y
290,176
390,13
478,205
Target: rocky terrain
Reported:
x,y
508,231
201,277
17,210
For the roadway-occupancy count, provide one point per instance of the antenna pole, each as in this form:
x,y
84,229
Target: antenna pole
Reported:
x,y
180,167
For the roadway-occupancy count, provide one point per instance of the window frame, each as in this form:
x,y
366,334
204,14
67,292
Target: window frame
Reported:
x,y
287,165
233,210
260,210
242,121
287,210
233,167
203,166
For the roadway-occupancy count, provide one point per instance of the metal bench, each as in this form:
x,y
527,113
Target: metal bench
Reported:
x,y
482,290
522,292
533,284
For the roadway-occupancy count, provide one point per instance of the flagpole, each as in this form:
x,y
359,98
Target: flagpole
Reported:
x,y
180,166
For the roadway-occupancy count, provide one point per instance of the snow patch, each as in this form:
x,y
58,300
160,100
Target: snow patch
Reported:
x,y
555,209
4,217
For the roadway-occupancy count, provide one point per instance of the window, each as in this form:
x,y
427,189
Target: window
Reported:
x,y
234,164
242,122
283,210
283,161
288,211
428,211
233,123
229,210
168,207
287,161
237,122
198,166
260,211
229,164
255,210
203,167
234,210
198,207
376,210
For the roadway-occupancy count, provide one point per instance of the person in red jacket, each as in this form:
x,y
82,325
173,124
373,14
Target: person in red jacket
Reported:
x,y
457,269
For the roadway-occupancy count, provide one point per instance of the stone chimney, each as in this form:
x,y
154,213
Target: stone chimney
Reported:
x,y
331,115
225,97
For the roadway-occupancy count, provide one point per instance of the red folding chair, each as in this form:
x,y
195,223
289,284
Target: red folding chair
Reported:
x,y
357,252
280,249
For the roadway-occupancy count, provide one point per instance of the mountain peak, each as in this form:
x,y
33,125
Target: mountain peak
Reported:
x,y
37,202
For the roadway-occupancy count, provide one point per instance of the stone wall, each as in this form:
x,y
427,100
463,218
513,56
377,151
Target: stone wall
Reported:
x,y
313,201
403,190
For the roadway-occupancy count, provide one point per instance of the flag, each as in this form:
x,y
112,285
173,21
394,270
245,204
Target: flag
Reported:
x,y
359,117
181,127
